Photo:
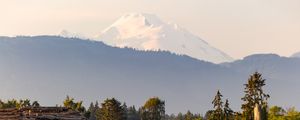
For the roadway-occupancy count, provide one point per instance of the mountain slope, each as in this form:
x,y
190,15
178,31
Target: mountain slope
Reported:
x,y
282,74
296,55
47,68
148,32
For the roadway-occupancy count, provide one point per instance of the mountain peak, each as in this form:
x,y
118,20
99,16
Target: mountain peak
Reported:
x,y
145,31
131,22
145,18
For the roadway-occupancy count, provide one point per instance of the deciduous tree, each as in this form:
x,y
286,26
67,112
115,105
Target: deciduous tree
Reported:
x,y
153,109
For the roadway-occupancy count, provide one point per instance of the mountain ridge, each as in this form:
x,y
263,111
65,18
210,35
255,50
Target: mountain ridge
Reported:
x,y
32,67
296,55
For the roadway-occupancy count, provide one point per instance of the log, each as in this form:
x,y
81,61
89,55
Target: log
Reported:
x,y
40,113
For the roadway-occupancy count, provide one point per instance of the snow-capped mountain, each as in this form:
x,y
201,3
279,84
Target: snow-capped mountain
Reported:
x,y
147,32
296,55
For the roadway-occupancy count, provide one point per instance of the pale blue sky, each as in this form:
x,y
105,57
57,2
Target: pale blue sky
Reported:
x,y
238,27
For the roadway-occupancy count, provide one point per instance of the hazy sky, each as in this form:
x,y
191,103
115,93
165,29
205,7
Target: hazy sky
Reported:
x,y
238,27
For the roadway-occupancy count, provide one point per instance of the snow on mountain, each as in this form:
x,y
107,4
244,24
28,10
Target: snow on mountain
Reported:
x,y
296,54
67,34
148,32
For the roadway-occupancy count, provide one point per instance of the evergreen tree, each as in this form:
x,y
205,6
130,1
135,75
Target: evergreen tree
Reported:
x,y
125,110
228,112
111,109
92,112
188,116
254,95
154,109
218,105
35,104
97,111
180,116
209,115
132,113
237,116
170,117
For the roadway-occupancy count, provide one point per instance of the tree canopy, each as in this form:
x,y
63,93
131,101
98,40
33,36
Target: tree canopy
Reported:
x,y
153,109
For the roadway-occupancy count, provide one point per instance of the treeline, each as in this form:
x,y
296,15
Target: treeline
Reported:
x,y
112,109
254,101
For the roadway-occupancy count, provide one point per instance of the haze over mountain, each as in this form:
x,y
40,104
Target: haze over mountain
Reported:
x,y
147,32
47,68
296,54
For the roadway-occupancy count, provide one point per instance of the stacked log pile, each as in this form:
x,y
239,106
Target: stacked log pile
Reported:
x,y
40,113
9,114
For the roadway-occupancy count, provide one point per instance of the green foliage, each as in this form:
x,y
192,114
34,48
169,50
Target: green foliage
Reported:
x,y
191,116
237,116
77,106
17,104
292,114
132,113
111,109
24,103
228,112
276,113
254,95
154,109
209,115
221,112
35,104
180,116
188,116
218,105
9,104
91,112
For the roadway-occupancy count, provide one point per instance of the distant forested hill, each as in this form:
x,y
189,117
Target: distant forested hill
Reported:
x,y
47,68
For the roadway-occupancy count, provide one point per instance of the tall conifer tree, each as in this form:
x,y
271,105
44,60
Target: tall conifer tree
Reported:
x,y
254,94
218,105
